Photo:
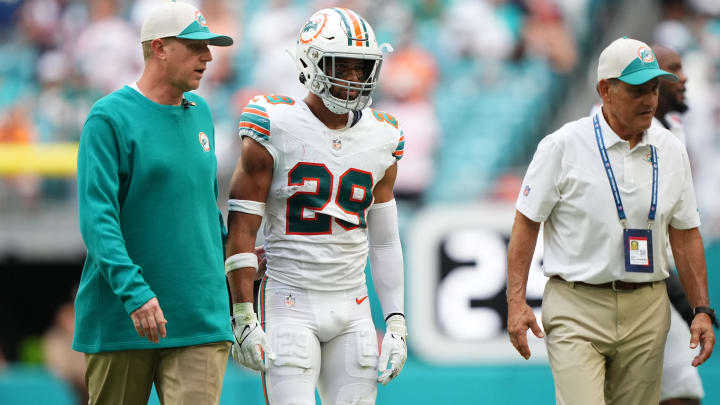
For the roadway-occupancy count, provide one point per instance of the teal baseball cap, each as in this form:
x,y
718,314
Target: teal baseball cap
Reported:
x,y
181,20
631,61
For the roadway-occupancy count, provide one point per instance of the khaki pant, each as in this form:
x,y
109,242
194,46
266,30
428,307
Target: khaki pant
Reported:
x,y
190,375
605,347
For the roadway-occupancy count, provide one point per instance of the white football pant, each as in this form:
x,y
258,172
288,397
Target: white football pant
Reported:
x,y
680,379
323,339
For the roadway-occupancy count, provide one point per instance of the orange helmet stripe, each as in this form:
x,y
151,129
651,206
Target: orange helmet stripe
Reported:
x,y
356,25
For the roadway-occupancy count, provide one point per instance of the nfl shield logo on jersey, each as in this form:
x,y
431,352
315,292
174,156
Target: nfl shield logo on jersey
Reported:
x,y
337,144
289,301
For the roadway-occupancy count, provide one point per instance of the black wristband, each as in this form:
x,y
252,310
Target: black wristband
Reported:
x,y
705,310
394,313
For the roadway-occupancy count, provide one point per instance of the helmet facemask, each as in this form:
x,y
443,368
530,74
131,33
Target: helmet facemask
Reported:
x,y
336,92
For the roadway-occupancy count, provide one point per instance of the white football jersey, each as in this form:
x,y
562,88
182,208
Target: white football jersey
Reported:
x,y
315,217
674,121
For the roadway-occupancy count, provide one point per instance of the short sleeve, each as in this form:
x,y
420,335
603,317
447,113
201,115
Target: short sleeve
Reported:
x,y
399,150
255,124
540,192
685,213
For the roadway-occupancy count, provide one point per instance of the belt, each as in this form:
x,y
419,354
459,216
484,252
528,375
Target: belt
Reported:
x,y
614,285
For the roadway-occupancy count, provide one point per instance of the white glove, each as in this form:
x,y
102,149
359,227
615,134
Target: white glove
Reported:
x,y
250,339
394,349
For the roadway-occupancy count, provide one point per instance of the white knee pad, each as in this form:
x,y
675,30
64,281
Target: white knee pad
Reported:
x,y
349,374
367,347
293,346
357,394
292,376
296,402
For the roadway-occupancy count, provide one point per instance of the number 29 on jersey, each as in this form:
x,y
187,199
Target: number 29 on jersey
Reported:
x,y
354,197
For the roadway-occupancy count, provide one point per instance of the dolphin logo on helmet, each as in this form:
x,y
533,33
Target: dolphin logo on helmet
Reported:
x,y
338,33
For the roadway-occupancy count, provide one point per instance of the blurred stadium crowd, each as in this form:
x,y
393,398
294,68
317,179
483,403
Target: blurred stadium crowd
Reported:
x,y
693,29
463,74
474,83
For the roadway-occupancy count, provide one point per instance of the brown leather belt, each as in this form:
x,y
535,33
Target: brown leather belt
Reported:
x,y
614,285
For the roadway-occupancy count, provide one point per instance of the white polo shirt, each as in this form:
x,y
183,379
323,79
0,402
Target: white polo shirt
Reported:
x,y
566,187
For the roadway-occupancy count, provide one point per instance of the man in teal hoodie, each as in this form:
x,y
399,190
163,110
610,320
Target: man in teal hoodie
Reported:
x,y
152,305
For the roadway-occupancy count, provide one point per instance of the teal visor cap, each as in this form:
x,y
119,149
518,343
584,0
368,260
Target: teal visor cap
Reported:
x,y
199,32
637,72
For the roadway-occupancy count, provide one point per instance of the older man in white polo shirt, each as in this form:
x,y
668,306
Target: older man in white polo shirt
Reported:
x,y
612,192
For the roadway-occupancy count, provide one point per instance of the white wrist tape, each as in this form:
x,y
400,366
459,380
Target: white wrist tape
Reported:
x,y
247,206
241,260
243,312
396,324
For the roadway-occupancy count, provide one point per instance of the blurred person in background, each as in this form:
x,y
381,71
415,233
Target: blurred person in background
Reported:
x,y
271,32
671,98
40,22
681,384
701,123
16,128
105,52
473,29
147,195
219,12
600,268
545,35
673,29
409,78
320,171
64,362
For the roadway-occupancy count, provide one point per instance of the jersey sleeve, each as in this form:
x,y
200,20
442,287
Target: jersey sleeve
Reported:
x,y
398,153
255,123
386,122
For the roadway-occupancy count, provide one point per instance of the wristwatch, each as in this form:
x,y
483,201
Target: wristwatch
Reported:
x,y
705,310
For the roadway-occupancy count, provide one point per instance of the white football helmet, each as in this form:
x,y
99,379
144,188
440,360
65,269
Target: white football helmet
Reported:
x,y
338,33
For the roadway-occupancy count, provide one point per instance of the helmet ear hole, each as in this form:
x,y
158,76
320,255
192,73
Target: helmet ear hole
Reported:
x,y
302,78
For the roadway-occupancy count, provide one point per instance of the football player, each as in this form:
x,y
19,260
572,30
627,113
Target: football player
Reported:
x,y
320,171
681,384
